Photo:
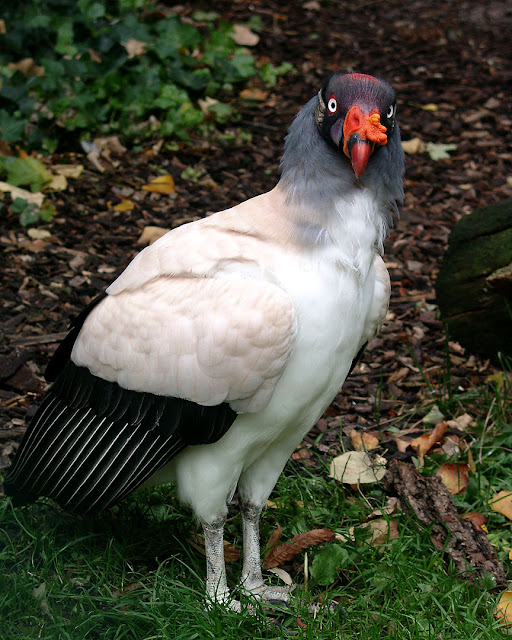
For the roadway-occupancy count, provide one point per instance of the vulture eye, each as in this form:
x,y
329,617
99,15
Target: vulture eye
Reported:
x,y
332,105
391,112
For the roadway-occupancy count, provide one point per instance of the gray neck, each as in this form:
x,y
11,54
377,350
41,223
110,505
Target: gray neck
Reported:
x,y
316,177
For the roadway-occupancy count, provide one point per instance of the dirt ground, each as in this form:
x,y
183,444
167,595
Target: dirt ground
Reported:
x,y
450,65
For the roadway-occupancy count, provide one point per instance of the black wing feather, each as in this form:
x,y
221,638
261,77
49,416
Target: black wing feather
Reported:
x,y
92,442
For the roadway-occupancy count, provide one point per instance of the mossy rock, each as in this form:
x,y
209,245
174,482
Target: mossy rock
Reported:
x,y
474,285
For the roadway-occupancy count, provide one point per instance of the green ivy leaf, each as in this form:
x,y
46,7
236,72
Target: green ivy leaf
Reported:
x,y
27,171
328,562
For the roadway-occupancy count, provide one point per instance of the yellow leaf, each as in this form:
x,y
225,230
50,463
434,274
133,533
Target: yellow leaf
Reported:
x,y
502,503
455,476
510,554
430,107
124,205
163,184
503,611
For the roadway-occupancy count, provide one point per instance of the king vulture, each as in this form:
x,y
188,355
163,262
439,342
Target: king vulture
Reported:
x,y
218,348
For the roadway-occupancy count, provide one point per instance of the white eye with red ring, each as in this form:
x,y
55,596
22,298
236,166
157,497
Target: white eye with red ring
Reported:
x,y
332,105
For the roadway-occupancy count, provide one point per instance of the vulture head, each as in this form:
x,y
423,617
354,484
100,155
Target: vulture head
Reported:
x,y
356,115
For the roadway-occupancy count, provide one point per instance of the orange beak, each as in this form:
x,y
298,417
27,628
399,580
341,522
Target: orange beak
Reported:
x,y
360,133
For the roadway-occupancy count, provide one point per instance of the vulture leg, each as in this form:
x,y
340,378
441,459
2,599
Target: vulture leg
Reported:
x,y
216,583
252,578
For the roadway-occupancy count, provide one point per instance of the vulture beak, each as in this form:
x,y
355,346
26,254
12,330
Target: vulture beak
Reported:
x,y
361,131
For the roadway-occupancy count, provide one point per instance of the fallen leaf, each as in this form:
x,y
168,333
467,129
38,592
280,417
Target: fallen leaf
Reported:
x,y
461,422
383,531
258,95
17,192
68,170
414,145
288,550
362,441
434,416
357,467
274,537
243,36
124,205
134,47
27,67
502,503
503,610
39,593
455,476
150,234
478,519
231,553
426,441
312,5
38,234
2,27
430,106
163,184
438,150
57,183
392,506
282,575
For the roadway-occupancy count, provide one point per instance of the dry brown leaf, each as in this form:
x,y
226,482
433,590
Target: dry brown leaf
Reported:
x,y
124,205
357,467
150,234
414,145
461,423
363,441
274,537
2,27
502,503
503,611
231,553
258,95
478,519
134,47
426,441
392,506
163,184
27,66
383,531
455,476
243,36
288,550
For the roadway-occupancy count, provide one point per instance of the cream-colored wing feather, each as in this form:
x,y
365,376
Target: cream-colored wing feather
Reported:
x,y
209,340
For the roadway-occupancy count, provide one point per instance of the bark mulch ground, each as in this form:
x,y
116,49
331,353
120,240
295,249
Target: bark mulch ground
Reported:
x,y
450,65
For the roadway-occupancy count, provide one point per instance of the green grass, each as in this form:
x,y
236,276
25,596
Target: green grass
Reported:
x,y
133,574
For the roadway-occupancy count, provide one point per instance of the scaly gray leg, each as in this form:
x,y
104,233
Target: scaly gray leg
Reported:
x,y
252,578
216,583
